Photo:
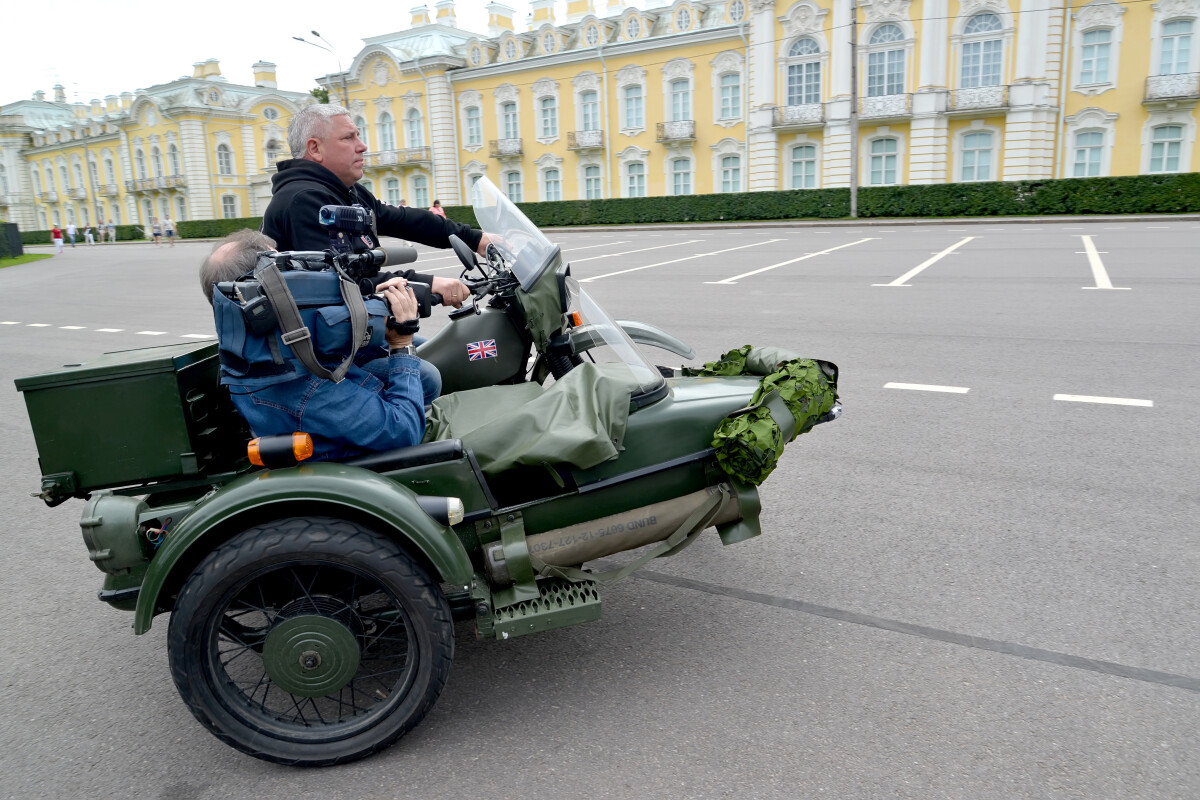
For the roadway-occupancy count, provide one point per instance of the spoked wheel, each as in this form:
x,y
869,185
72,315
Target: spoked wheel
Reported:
x,y
310,641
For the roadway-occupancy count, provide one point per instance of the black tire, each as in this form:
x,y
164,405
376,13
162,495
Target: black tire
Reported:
x,y
310,642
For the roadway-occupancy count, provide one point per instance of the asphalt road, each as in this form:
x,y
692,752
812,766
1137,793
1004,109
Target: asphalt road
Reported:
x,y
973,585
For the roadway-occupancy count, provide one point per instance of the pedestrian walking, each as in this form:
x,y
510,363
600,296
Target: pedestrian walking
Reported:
x,y
156,231
110,230
169,227
57,236
88,238
71,231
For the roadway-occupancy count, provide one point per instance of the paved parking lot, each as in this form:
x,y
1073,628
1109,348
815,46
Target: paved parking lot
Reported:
x,y
981,582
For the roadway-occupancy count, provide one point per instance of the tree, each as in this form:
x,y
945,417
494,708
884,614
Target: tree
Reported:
x,y
321,94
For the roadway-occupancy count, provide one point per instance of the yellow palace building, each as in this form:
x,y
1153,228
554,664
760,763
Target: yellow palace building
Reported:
x,y
662,99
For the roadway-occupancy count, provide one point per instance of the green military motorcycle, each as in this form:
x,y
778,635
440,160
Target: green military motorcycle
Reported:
x,y
312,603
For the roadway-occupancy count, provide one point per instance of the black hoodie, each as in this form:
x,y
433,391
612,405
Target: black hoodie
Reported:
x,y
301,187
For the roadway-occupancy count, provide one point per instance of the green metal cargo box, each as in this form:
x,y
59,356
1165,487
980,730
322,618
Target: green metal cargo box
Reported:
x,y
130,417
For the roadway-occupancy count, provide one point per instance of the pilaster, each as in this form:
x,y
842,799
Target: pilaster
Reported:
x,y
443,140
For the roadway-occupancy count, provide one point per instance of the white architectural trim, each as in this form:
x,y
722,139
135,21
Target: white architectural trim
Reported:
x,y
1182,116
1097,15
1088,120
630,75
786,176
542,89
883,132
632,155
978,126
728,62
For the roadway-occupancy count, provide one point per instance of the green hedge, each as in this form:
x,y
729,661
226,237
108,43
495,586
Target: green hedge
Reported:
x,y
216,228
125,233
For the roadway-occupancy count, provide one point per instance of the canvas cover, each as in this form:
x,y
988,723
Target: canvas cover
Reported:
x,y
579,420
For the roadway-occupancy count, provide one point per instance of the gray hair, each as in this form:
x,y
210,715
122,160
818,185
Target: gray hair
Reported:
x,y
312,122
232,257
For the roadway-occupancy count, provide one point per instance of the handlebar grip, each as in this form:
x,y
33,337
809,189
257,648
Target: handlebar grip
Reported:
x,y
398,255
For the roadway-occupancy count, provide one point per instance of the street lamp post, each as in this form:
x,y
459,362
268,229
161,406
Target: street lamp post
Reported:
x,y
329,49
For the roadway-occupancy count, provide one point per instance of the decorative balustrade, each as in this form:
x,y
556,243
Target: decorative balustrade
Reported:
x,y
414,155
110,190
883,106
798,116
979,97
77,193
1183,86
503,148
585,140
384,158
680,130
49,197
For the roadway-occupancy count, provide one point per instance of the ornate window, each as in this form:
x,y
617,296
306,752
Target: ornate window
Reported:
x,y
510,49
683,20
37,181
551,185
635,179
731,173
737,11
982,51
109,173
474,120
1165,146
512,125
681,176
50,178
592,35
229,206
1175,54
79,171
634,107
224,160
885,64
633,28
1093,65
391,191
589,106
731,96
548,108
420,191
270,113
804,167
548,43
1097,47
978,154
804,73
413,129
361,124
1088,154
139,163
681,100
156,161
592,189
512,185
1089,141
172,159
387,132
884,161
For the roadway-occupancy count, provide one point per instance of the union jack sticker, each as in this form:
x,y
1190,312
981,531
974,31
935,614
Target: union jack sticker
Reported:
x,y
480,350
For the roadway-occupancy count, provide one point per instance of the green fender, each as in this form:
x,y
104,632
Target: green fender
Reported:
x,y
332,485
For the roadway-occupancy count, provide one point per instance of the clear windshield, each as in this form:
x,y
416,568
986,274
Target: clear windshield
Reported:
x,y
530,254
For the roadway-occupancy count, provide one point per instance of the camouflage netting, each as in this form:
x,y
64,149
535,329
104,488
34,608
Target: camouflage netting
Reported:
x,y
750,441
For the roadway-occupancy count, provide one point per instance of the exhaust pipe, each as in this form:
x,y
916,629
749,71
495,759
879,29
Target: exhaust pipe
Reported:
x,y
628,530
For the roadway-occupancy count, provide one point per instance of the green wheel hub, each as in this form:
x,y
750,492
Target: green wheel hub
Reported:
x,y
311,655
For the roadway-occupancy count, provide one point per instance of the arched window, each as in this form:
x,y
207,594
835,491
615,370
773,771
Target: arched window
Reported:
x,y
549,116
731,96
731,174
589,106
1165,145
1089,150
224,160
229,206
94,174
474,127
361,124
1176,47
681,176
173,159
977,152
420,186
982,51
637,179
37,181
551,185
1094,55
512,186
883,162
156,162
78,175
591,183
66,180
512,126
885,65
391,189
804,167
804,73
413,132
49,180
681,100
139,162
387,132
110,175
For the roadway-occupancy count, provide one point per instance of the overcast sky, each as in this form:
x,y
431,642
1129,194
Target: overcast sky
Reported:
x,y
95,49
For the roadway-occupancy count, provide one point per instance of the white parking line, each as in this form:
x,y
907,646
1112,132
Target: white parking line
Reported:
x,y
677,260
902,280
152,333
627,252
109,330
72,328
735,278
9,322
1111,401
922,387
1098,272
38,325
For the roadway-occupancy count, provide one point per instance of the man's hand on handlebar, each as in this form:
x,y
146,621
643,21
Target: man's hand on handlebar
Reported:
x,y
453,291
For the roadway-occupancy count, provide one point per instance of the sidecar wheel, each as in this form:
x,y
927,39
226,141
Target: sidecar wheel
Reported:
x,y
310,642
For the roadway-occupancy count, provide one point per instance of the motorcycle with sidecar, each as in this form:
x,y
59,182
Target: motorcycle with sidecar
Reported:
x,y
312,603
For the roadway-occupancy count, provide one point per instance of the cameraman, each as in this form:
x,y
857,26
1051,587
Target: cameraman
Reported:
x,y
325,167
378,406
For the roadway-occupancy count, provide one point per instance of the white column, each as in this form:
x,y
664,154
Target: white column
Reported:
x,y
1032,122
443,146
763,145
194,153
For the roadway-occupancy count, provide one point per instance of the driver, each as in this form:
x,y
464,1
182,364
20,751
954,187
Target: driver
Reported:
x,y
378,406
325,167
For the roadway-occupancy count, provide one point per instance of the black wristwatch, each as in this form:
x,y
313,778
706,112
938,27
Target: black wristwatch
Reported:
x,y
406,350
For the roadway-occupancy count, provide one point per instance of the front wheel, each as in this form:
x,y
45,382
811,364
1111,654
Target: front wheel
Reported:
x,y
310,642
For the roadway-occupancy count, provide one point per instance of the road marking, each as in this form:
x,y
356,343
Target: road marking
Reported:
x,y
198,336
901,281
677,260
921,387
1111,401
71,328
1158,227
109,330
152,333
735,278
627,252
1099,274
38,325
9,322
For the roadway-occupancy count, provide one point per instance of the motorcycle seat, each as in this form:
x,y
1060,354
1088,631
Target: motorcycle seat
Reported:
x,y
417,455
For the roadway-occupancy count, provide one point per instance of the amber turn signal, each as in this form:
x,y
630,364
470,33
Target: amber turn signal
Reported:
x,y
279,451
576,319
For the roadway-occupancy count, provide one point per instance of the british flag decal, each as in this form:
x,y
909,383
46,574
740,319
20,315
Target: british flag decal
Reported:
x,y
480,350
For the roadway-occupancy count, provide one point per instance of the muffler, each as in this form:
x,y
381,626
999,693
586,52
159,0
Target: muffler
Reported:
x,y
628,530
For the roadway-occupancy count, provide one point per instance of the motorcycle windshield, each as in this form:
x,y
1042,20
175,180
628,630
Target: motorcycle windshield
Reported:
x,y
533,258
